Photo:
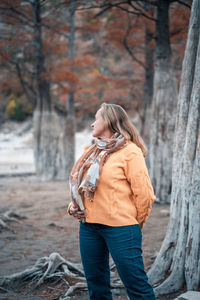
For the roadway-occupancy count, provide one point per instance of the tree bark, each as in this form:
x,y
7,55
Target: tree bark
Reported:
x,y
148,85
70,124
163,108
53,134
178,262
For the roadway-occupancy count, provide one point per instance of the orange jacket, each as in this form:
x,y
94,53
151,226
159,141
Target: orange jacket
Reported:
x,y
124,194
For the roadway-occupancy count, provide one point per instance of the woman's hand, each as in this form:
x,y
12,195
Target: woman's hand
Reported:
x,y
76,212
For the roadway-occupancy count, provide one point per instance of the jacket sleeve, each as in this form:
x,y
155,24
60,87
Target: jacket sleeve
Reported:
x,y
137,175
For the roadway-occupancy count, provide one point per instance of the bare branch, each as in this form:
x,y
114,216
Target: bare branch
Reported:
x,y
54,30
13,9
182,3
136,11
28,89
175,32
126,46
102,11
140,11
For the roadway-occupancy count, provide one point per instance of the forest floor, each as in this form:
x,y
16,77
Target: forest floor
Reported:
x,y
46,228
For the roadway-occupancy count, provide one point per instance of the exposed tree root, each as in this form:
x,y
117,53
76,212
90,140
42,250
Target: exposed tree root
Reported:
x,y
73,288
53,268
83,286
6,217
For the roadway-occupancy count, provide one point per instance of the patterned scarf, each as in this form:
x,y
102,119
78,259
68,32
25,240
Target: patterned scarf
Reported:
x,y
86,171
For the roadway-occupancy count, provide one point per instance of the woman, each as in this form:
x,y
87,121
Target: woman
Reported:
x,y
112,197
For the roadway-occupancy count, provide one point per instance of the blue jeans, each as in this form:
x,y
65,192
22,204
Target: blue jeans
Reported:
x,y
125,246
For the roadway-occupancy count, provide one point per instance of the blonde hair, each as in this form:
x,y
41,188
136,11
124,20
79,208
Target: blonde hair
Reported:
x,y
117,120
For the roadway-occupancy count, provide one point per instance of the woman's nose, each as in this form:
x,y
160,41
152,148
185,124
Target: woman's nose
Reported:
x,y
92,125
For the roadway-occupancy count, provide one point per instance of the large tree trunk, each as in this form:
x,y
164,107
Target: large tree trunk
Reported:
x,y
43,117
163,108
148,84
70,124
179,255
53,134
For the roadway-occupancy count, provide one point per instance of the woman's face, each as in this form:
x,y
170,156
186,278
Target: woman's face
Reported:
x,y
99,128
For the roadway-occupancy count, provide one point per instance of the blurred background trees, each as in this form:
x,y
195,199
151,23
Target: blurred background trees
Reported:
x,y
61,61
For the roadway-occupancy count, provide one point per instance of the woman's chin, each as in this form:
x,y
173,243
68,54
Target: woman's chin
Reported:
x,y
94,135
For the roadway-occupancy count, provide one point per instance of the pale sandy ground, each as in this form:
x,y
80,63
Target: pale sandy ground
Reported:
x,y
47,228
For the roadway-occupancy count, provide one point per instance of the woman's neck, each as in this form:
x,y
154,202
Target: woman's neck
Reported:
x,y
106,135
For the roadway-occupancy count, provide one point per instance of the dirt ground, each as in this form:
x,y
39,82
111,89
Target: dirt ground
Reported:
x,y
47,228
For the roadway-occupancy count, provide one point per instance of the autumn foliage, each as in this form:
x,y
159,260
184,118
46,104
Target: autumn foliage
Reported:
x,y
108,63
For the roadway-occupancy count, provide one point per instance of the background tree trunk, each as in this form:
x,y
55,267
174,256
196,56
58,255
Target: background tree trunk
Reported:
x,y
163,108
43,117
69,128
148,84
53,134
179,255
